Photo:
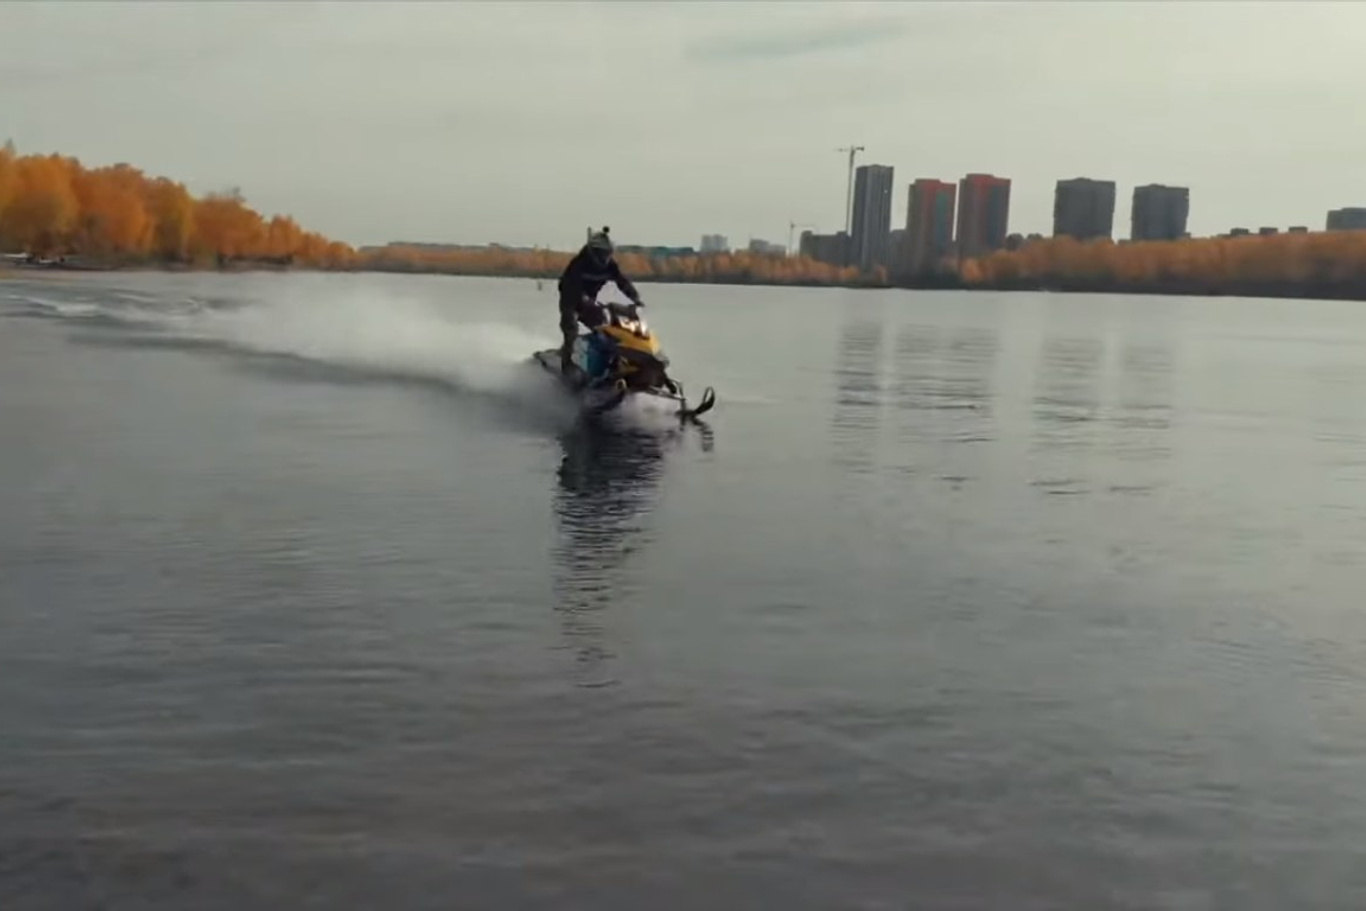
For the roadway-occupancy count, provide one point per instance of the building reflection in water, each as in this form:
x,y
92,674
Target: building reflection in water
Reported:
x,y
1092,411
1067,394
857,417
1143,414
943,382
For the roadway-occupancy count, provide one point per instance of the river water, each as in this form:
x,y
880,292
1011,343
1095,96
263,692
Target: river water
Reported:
x,y
313,594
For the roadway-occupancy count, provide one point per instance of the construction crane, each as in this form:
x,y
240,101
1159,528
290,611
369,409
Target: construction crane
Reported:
x,y
849,195
792,227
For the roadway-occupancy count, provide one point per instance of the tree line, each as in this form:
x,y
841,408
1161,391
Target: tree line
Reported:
x,y
1318,264
741,267
52,206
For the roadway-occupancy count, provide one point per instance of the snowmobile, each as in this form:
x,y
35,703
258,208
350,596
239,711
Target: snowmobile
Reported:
x,y
620,359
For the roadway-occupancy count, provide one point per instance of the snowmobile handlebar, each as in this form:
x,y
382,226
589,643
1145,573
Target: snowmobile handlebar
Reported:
x,y
622,311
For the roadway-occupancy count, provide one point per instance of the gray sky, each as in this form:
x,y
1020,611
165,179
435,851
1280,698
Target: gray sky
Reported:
x,y
522,123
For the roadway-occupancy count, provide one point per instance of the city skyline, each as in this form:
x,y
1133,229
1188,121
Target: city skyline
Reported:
x,y
365,121
1083,209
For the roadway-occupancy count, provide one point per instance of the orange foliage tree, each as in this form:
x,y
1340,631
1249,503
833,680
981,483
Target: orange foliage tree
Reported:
x,y
42,207
9,179
172,210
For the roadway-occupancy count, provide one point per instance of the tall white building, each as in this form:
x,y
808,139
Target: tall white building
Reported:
x,y
872,215
715,243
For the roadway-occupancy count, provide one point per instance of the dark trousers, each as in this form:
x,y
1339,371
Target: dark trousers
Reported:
x,y
573,311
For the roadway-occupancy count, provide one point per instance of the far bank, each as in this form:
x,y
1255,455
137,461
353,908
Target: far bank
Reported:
x,y
1352,288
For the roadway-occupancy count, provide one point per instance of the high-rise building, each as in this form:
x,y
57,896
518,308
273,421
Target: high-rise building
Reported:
x,y
1351,219
872,216
1159,212
983,213
715,243
929,223
658,251
1084,208
896,249
831,249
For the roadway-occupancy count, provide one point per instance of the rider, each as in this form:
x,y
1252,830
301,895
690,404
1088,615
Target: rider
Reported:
x,y
591,268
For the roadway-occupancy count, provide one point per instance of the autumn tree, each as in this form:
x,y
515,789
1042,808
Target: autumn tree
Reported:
x,y
43,207
8,185
225,228
172,211
112,217
284,238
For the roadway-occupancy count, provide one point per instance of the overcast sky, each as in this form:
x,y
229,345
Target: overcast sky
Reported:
x,y
522,123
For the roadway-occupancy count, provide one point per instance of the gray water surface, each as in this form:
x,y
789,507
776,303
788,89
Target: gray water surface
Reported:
x,y
312,594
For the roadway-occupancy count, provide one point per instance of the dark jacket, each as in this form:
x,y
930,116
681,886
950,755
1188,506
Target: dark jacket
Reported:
x,y
584,276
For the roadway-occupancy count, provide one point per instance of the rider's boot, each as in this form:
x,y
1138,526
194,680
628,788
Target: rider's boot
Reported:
x,y
567,355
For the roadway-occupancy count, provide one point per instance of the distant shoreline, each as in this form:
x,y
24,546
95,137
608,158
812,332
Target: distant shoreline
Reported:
x,y
1347,291
123,220
548,276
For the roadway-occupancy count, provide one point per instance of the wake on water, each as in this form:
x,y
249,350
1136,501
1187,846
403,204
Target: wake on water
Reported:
x,y
356,338
330,331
